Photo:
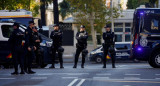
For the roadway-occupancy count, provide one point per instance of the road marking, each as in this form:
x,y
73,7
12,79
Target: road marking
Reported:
x,y
132,74
157,78
76,73
32,85
39,78
7,78
45,74
103,78
131,78
103,74
81,82
157,74
69,77
72,83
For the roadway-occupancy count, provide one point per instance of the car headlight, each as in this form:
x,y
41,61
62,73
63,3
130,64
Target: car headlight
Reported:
x,y
42,44
48,44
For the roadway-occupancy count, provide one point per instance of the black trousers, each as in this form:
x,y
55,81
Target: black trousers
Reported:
x,y
29,56
18,58
39,56
54,51
105,51
78,51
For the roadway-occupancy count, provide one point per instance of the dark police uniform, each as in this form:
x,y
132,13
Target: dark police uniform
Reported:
x,y
108,46
38,51
29,42
81,46
15,41
56,36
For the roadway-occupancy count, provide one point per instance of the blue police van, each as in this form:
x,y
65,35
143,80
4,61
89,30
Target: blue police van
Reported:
x,y
146,36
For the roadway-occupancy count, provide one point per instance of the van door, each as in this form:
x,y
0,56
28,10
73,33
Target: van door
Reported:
x,y
5,32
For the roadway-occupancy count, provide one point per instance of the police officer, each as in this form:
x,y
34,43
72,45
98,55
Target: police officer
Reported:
x,y
15,41
108,45
81,45
29,48
37,40
56,36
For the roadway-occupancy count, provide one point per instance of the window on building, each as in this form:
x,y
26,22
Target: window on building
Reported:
x,y
127,29
118,24
127,24
127,37
118,37
6,30
118,29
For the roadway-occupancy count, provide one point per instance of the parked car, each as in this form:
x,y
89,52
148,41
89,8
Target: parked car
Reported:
x,y
122,52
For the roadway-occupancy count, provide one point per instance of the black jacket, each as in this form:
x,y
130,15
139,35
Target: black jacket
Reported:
x,y
82,38
56,36
15,39
36,36
29,41
108,37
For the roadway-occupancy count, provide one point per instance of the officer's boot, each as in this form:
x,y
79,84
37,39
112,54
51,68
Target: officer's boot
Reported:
x,y
75,65
22,71
52,66
82,65
104,63
61,65
113,65
30,71
15,72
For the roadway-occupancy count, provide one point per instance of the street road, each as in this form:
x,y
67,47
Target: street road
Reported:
x,y
126,74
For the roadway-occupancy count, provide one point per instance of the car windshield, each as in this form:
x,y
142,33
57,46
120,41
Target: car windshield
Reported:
x,y
43,37
151,23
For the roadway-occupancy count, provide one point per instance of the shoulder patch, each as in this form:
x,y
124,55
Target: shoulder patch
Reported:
x,y
26,32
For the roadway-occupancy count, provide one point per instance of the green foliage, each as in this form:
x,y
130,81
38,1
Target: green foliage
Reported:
x,y
133,4
64,9
31,5
83,10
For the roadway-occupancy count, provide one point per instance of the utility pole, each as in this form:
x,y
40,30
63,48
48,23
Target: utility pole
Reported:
x,y
158,3
112,20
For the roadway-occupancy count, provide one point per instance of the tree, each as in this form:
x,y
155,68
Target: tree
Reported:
x,y
31,5
64,9
92,14
133,4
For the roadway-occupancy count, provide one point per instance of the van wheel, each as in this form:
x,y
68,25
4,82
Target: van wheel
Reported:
x,y
98,59
155,60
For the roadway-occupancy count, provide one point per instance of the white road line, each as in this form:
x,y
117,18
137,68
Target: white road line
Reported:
x,y
32,85
72,83
104,78
39,78
101,74
157,78
7,78
81,82
133,74
69,77
45,74
131,78
157,74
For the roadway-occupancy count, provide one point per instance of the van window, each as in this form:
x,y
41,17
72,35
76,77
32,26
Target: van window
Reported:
x,y
151,24
7,30
122,46
154,24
